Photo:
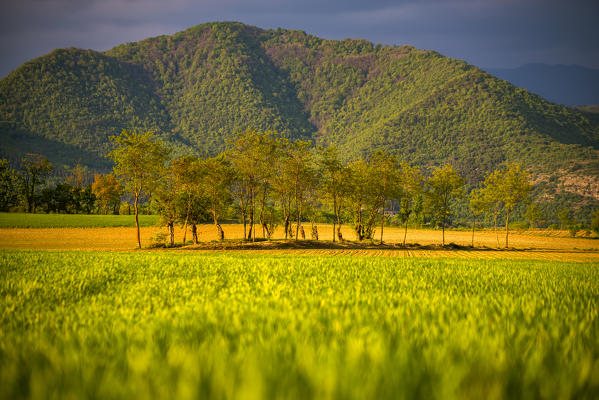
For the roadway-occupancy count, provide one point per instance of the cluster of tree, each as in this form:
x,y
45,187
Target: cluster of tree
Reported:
x,y
269,180
264,181
31,188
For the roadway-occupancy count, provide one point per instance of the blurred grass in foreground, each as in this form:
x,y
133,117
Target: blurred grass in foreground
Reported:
x,y
151,325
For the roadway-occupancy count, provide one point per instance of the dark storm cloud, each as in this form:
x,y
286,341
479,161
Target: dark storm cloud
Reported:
x,y
494,33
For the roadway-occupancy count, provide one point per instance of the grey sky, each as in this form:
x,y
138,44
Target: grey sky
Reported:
x,y
491,33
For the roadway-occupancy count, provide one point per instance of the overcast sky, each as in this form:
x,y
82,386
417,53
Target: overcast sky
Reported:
x,y
486,33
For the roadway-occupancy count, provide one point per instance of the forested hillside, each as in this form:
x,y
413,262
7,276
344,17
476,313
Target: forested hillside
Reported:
x,y
197,87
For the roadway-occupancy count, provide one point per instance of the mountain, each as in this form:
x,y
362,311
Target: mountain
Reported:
x,y
195,88
563,84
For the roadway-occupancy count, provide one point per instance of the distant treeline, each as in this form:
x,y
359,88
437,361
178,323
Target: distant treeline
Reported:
x,y
264,180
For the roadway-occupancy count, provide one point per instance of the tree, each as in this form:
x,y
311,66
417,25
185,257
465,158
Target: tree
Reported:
x,y
360,193
86,199
78,176
167,202
514,188
442,188
294,182
60,199
410,191
215,184
8,186
108,190
386,180
491,199
334,177
565,218
139,165
301,177
534,214
284,191
187,174
478,205
35,170
250,156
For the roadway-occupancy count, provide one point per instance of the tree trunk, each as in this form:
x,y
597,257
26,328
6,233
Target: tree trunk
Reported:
x,y
253,217
358,228
30,200
220,232
405,234
244,225
382,220
473,225
315,232
171,231
443,227
302,232
261,216
335,212
495,229
333,231
286,226
507,227
194,233
219,229
185,228
339,236
251,225
299,221
135,205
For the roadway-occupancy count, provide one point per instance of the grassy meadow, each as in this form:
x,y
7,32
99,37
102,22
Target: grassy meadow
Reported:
x,y
26,220
156,325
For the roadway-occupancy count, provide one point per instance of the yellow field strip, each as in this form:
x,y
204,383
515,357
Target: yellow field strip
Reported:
x,y
528,245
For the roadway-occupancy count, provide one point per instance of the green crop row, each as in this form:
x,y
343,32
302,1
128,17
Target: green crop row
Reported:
x,y
151,325
24,220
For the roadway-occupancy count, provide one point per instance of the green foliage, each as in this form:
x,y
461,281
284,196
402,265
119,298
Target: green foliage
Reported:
x,y
198,87
9,186
442,188
334,184
534,215
65,198
35,169
108,190
565,218
139,164
223,326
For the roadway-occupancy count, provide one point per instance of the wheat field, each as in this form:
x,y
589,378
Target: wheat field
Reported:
x,y
541,245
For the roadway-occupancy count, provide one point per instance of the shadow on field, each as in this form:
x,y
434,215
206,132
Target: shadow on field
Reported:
x,y
261,244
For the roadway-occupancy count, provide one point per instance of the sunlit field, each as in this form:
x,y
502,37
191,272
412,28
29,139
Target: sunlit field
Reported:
x,y
157,325
544,245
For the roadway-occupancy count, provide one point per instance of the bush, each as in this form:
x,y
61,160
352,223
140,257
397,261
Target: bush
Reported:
x,y
573,229
519,225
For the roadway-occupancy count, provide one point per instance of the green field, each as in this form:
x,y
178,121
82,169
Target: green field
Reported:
x,y
152,325
25,220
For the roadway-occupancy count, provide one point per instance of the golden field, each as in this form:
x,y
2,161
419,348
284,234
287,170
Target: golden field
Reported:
x,y
549,245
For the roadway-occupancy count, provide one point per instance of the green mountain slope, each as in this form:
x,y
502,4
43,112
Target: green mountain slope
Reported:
x,y
197,87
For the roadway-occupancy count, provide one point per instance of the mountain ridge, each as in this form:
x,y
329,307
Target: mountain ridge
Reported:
x,y
198,86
